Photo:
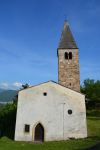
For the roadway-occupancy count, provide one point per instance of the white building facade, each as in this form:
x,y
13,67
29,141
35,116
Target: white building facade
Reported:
x,y
50,112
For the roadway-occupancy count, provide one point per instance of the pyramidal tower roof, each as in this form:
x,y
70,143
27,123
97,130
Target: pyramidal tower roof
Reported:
x,y
67,39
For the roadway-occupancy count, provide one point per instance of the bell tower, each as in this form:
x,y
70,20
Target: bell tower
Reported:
x,y
68,61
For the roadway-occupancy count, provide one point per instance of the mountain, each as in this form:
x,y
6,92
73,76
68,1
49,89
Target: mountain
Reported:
x,y
7,95
1,90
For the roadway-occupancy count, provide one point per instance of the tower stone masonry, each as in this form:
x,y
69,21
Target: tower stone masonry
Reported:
x,y
68,61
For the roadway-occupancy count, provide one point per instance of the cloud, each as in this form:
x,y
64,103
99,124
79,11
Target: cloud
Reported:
x,y
17,84
13,86
4,86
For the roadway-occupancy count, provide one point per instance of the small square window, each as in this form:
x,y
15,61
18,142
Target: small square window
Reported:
x,y
27,128
45,94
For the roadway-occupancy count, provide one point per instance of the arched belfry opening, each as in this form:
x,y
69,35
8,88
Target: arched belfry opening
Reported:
x,y
66,55
70,55
39,133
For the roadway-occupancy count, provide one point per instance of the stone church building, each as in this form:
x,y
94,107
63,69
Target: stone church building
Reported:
x,y
54,111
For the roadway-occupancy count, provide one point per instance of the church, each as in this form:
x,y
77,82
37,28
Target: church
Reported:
x,y
53,111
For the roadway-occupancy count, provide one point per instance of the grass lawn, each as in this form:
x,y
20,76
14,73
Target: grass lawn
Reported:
x,y
93,133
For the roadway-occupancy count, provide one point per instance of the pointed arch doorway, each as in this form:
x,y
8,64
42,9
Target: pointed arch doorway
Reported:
x,y
39,133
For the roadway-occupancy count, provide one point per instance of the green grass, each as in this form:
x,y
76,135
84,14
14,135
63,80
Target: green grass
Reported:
x,y
81,144
93,124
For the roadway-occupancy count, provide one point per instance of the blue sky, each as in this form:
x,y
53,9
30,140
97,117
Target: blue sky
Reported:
x,y
30,31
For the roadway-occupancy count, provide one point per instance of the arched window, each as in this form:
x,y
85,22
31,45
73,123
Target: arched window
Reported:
x,y
70,55
66,55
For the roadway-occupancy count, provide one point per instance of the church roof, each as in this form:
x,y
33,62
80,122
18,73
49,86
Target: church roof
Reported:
x,y
53,82
67,39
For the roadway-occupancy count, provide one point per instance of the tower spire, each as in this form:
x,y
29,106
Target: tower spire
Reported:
x,y
67,39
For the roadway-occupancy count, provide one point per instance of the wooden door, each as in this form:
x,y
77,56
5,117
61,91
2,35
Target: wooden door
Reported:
x,y
39,133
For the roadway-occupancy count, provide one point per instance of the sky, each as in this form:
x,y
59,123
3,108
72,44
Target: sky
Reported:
x,y
30,32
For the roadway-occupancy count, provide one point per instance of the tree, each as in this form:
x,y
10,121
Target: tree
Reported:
x,y
25,86
8,117
91,89
7,120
